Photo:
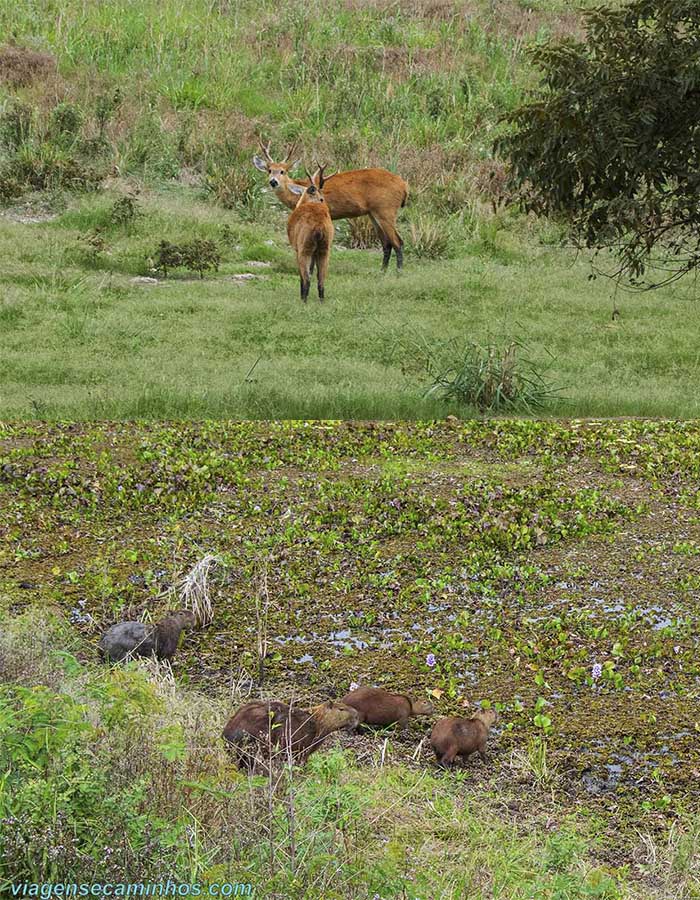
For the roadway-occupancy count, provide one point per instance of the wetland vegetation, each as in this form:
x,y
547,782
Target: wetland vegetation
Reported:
x,y
549,570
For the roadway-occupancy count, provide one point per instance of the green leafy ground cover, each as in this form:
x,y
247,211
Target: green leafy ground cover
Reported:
x,y
518,553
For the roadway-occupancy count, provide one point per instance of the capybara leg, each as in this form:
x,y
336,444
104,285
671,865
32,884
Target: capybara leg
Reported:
x,y
448,758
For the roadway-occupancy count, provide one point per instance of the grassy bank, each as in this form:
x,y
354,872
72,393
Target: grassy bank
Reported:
x,y
80,339
548,570
167,105
119,776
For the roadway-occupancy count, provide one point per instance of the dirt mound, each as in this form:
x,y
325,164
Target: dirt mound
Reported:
x,y
20,66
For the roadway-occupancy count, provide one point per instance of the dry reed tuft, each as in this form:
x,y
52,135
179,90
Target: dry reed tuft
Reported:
x,y
194,588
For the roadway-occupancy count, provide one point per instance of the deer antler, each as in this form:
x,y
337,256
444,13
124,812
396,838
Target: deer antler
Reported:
x,y
322,178
290,152
266,149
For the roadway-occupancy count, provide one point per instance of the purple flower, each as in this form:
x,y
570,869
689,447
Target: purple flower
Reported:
x,y
354,685
596,672
430,660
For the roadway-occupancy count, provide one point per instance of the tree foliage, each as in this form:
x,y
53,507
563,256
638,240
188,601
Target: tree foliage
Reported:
x,y
611,138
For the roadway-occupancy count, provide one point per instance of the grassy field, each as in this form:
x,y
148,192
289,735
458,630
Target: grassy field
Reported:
x,y
519,555
80,339
165,101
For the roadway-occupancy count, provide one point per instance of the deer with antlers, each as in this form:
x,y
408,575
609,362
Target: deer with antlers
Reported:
x,y
376,193
310,231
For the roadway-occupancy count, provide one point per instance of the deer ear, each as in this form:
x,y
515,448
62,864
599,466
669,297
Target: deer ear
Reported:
x,y
260,164
296,189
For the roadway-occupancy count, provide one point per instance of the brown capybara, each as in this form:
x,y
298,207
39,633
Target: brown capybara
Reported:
x,y
268,727
378,707
126,640
454,736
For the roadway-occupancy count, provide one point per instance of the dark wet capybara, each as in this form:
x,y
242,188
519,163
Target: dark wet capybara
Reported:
x,y
378,707
263,726
454,736
129,639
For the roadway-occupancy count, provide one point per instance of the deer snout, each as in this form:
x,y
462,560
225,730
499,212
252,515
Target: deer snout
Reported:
x,y
274,183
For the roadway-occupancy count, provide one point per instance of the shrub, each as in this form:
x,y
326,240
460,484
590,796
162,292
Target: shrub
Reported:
x,y
430,238
362,234
65,123
491,378
199,255
125,211
16,122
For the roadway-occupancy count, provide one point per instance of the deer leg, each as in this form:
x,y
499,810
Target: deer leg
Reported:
x,y
304,276
322,268
387,224
386,243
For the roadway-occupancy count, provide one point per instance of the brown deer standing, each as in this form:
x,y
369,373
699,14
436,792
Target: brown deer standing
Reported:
x,y
376,193
310,232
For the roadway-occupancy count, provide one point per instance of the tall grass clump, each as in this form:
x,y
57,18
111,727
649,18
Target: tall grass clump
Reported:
x,y
491,378
46,152
430,238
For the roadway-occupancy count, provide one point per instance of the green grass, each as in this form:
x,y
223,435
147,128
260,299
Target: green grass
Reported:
x,y
166,93
79,340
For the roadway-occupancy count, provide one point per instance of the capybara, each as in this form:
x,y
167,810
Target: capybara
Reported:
x,y
454,736
128,639
378,707
268,727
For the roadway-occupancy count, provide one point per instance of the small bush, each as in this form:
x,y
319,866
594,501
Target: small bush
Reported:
x,y
92,245
199,255
105,107
125,211
16,123
491,378
430,238
362,234
65,123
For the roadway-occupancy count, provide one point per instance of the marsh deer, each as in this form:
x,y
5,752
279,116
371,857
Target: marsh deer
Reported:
x,y
376,193
310,231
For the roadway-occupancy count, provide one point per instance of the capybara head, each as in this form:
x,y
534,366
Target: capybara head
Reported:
x,y
334,716
184,618
421,708
487,716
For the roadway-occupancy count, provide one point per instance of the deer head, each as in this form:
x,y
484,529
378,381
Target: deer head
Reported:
x,y
277,172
